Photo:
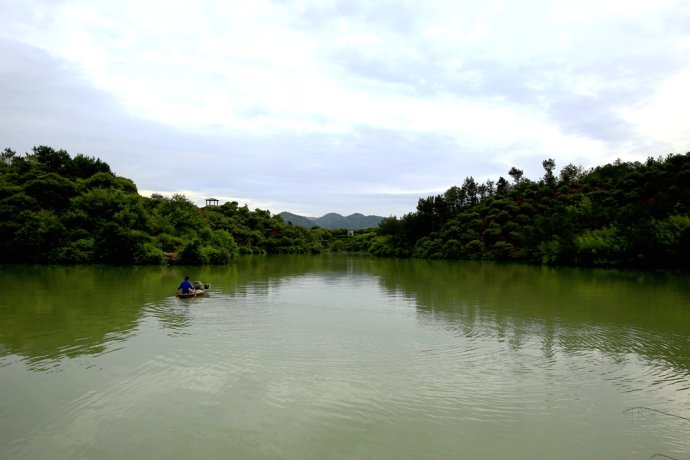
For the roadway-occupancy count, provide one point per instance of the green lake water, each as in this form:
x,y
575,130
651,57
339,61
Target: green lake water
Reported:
x,y
338,357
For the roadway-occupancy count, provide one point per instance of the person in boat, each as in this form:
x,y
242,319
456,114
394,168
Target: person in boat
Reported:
x,y
186,286
199,286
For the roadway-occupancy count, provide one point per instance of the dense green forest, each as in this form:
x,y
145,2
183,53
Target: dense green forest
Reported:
x,y
55,208
625,214
64,210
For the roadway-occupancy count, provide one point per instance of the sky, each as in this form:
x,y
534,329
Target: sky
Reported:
x,y
344,106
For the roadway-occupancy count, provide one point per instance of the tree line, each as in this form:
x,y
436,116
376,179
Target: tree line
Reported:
x,y
623,214
55,208
59,209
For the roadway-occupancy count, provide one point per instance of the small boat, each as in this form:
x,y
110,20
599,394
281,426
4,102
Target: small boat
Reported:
x,y
200,290
190,294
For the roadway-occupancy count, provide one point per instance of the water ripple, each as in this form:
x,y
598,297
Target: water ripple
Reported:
x,y
319,368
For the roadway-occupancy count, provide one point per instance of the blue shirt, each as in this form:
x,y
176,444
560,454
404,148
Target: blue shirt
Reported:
x,y
186,286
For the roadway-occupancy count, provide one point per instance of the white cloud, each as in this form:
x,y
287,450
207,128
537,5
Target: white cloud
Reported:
x,y
664,116
345,88
602,9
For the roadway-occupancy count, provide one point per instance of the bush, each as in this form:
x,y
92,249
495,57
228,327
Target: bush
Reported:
x,y
600,247
503,250
474,249
549,252
168,242
75,252
215,256
149,254
381,246
426,248
192,254
452,249
225,243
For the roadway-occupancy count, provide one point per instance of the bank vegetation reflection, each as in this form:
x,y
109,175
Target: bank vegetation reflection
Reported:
x,y
63,312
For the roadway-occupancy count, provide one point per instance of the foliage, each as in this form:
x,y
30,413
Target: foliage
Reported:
x,y
624,214
59,209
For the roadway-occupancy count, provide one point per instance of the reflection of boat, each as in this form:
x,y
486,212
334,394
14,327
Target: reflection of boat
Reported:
x,y
200,290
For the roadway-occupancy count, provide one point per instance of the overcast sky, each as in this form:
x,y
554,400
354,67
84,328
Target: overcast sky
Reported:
x,y
343,106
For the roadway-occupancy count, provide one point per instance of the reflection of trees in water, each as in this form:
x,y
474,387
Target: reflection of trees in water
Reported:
x,y
568,310
68,311
65,312
57,312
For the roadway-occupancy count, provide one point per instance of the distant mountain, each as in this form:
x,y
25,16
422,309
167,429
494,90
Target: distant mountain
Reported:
x,y
300,221
333,220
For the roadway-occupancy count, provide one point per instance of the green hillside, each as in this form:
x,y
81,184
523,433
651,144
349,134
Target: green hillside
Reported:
x,y
294,219
55,208
625,214
62,210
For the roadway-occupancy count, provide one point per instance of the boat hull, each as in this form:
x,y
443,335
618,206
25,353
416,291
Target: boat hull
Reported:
x,y
189,295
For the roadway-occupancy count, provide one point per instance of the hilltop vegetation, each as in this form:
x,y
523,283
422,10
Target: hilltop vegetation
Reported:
x,y
64,210
59,209
625,214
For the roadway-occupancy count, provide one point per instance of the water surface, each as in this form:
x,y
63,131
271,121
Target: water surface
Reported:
x,y
344,358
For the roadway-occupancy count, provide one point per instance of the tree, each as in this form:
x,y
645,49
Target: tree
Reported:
x,y
99,206
455,199
389,226
549,165
180,213
117,245
83,167
570,173
600,247
52,160
516,174
7,156
502,186
41,233
51,191
482,191
490,187
471,191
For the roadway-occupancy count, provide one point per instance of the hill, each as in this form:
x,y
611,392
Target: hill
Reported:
x,y
333,220
60,209
299,221
622,215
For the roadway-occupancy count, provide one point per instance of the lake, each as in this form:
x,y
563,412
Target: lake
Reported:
x,y
340,357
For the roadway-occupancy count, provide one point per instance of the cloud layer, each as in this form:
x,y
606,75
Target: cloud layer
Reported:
x,y
346,106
